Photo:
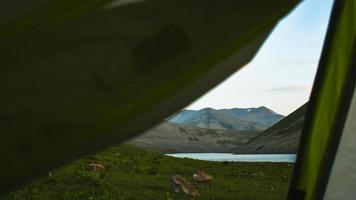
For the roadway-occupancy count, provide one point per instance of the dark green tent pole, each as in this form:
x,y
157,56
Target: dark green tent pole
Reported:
x,y
295,193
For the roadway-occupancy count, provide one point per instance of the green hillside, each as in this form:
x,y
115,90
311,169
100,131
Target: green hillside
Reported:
x,y
178,138
134,173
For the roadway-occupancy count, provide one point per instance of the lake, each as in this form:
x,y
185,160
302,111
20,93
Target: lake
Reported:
x,y
220,157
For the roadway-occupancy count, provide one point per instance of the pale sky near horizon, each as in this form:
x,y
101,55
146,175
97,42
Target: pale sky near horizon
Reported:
x,y
281,74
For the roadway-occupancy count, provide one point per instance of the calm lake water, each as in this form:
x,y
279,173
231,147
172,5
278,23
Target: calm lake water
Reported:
x,y
237,157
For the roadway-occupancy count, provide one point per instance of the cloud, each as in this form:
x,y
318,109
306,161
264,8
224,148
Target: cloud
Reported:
x,y
290,88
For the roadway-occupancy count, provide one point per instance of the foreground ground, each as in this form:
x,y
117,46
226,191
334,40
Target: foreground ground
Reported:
x,y
133,173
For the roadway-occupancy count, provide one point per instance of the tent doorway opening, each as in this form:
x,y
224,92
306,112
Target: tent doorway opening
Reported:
x,y
238,141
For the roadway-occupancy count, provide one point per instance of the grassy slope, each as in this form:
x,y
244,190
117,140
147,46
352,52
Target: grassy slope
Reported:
x,y
134,173
176,138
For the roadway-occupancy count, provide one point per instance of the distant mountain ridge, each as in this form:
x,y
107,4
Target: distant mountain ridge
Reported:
x,y
283,137
259,118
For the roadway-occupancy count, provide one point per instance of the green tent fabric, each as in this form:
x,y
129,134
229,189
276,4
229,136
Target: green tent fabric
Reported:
x,y
342,179
77,76
327,100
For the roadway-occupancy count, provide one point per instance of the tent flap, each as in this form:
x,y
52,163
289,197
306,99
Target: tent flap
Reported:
x,y
77,76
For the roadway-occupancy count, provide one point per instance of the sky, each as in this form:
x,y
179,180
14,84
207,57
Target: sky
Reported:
x,y
281,74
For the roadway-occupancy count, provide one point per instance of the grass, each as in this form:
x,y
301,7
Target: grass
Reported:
x,y
135,173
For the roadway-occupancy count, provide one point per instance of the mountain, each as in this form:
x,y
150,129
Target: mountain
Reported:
x,y
172,138
282,137
259,118
261,115
168,137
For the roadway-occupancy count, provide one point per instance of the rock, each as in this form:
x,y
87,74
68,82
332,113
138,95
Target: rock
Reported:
x,y
96,167
259,174
179,184
203,177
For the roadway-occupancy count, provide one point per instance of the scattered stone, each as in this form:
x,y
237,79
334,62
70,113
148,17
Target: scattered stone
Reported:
x,y
259,174
96,167
179,184
203,177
